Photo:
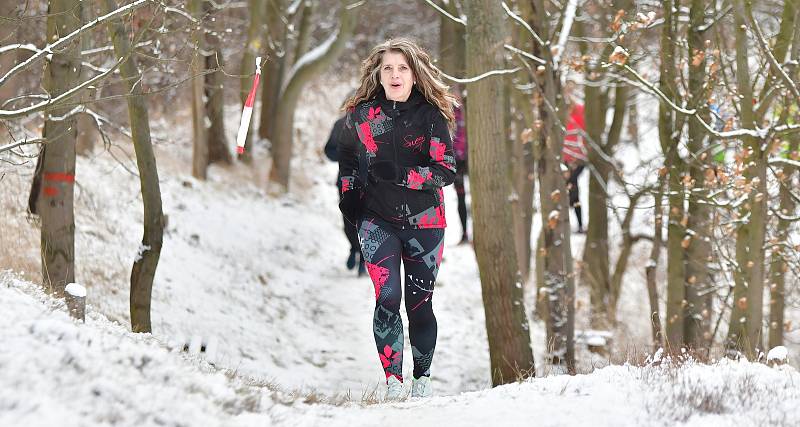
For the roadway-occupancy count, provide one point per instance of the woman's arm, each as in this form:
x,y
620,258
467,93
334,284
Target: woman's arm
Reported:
x,y
348,159
350,183
441,168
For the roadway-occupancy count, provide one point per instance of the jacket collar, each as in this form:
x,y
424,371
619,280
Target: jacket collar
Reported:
x,y
414,99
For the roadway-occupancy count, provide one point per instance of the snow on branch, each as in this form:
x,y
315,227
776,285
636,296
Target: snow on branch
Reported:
x,y
16,46
48,50
311,57
703,28
25,141
525,54
294,7
180,12
762,43
738,133
355,5
445,13
480,77
569,18
11,114
110,48
782,161
522,22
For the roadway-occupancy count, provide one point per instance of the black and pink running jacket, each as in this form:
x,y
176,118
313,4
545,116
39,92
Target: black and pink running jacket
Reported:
x,y
413,135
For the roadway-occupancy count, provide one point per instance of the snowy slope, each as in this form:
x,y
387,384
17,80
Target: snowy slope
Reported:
x,y
56,371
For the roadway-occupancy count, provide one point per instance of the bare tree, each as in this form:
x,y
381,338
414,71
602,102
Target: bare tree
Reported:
x,y
306,68
522,149
214,88
144,266
779,264
506,322
603,139
745,333
452,53
276,43
669,136
656,330
197,69
697,242
54,181
559,280
8,35
208,124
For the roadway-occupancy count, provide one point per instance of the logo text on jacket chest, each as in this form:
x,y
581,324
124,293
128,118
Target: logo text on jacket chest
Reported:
x,y
412,143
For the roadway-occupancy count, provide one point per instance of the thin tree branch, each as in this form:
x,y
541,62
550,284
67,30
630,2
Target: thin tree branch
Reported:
x,y
48,50
26,141
768,52
522,22
445,13
10,114
479,77
525,54
734,134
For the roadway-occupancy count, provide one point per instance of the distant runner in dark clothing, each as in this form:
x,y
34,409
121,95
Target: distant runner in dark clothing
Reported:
x,y
460,151
332,153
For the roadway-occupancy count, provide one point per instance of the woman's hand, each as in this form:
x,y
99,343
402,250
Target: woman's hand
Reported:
x,y
350,206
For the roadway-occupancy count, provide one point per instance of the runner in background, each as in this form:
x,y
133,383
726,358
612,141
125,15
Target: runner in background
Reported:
x,y
573,155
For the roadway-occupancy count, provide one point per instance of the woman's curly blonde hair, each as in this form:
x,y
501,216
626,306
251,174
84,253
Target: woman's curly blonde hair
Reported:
x,y
429,81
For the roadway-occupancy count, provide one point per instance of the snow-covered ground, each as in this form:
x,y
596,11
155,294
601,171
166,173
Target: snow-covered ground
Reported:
x,y
56,371
261,281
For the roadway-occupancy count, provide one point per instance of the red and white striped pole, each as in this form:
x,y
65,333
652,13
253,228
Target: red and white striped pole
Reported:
x,y
247,112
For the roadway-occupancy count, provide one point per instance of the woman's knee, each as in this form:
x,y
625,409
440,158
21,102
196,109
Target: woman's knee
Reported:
x,y
421,318
389,299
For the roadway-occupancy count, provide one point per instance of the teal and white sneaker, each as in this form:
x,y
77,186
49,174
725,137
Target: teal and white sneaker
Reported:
x,y
421,387
394,388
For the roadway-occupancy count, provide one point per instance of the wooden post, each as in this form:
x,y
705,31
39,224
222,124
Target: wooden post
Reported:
x,y
75,295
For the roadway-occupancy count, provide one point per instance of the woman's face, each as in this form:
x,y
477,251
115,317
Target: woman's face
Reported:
x,y
397,78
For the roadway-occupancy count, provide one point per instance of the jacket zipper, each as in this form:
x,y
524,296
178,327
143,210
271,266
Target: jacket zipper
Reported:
x,y
396,115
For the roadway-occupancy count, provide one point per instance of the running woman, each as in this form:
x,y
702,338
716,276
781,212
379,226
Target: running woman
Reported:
x,y
396,154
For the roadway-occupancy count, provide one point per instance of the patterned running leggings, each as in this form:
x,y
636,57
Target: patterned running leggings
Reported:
x,y
383,247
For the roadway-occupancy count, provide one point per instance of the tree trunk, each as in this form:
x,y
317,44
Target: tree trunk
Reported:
x,y
745,330
255,31
697,323
628,240
8,35
55,170
306,68
197,70
215,94
524,175
652,265
144,266
778,263
595,269
613,138
304,31
559,286
275,67
522,159
506,322
88,131
669,137
452,59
